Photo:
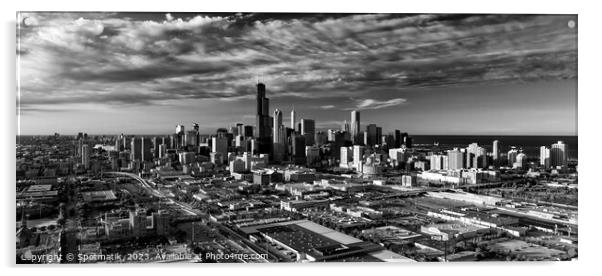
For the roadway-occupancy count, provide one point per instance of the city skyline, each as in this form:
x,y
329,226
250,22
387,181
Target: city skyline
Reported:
x,y
441,74
296,138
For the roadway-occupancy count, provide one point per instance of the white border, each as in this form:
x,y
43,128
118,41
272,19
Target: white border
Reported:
x,y
589,133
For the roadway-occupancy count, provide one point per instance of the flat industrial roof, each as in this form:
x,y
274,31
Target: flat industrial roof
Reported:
x,y
39,188
390,256
99,196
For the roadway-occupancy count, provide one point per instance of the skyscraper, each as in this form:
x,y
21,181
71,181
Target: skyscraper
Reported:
x,y
521,161
496,150
293,118
248,131
456,159
155,150
86,156
512,156
162,150
277,124
355,127
346,154
308,129
146,149
558,155
241,128
219,144
191,138
136,149
476,156
406,140
278,137
262,123
180,133
345,126
398,138
544,157
320,138
371,135
358,156
298,148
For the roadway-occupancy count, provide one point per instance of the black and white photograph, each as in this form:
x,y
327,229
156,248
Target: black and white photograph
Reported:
x,y
171,137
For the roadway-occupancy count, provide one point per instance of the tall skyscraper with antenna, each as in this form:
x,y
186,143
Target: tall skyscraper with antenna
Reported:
x,y
262,122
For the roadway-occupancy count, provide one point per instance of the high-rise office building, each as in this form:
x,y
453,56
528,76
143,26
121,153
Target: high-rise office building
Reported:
x,y
119,146
358,156
544,157
298,149
162,150
248,131
146,147
406,140
233,130
262,122
320,138
346,156
239,141
156,141
277,124
345,126
308,129
136,149
388,140
397,138
85,150
126,145
331,133
355,127
558,155
293,117
371,135
180,136
278,137
219,144
240,129
191,138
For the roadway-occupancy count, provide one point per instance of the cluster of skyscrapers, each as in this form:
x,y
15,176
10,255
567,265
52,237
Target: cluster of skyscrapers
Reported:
x,y
297,143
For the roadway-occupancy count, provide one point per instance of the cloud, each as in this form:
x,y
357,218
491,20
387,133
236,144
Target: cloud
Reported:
x,y
376,104
329,106
149,58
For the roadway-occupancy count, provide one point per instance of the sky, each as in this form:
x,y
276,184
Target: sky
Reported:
x,y
144,73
